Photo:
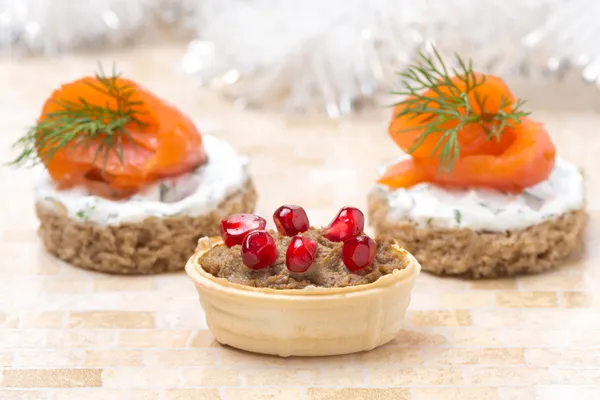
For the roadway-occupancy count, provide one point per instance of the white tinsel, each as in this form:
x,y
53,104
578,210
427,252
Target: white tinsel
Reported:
x,y
570,35
307,54
58,26
334,55
179,13
331,56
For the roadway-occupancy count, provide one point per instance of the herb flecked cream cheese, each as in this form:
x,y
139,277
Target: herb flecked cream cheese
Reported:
x,y
480,209
193,194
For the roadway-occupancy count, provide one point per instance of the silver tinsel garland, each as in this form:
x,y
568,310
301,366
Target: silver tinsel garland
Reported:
x,y
338,55
329,56
49,27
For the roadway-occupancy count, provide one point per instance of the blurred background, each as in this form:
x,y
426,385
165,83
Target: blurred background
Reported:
x,y
302,87
332,57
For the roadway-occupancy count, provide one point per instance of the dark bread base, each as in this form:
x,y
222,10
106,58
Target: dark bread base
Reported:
x,y
152,246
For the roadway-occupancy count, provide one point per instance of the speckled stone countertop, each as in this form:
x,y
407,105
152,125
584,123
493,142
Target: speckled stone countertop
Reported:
x,y
72,334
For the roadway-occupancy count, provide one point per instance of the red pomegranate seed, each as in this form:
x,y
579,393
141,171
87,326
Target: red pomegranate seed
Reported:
x,y
300,254
358,252
291,220
235,227
349,223
258,250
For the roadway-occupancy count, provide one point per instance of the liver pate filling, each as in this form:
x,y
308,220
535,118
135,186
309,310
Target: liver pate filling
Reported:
x,y
328,270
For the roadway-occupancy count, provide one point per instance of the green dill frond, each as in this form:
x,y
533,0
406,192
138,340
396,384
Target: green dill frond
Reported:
x,y
79,123
451,103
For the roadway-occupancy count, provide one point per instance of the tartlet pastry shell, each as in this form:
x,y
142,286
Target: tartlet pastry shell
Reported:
x,y
314,321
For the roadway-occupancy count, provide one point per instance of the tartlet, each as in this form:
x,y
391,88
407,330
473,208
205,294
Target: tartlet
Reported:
x,y
128,184
262,315
480,192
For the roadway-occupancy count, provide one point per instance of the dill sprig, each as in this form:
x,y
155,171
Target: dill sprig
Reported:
x,y
79,123
450,103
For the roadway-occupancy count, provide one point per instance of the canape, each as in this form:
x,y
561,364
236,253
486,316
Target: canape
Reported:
x,y
479,191
128,183
302,291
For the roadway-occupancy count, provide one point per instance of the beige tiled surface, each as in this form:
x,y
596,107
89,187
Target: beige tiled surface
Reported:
x,y
72,334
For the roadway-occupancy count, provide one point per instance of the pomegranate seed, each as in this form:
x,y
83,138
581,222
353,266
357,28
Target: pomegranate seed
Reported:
x,y
300,254
235,227
258,250
291,220
349,223
358,252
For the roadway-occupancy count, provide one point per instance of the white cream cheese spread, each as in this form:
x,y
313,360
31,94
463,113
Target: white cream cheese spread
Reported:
x,y
193,194
429,205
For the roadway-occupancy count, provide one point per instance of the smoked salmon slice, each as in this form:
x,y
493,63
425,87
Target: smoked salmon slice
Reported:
x,y
114,137
491,96
404,174
466,131
528,160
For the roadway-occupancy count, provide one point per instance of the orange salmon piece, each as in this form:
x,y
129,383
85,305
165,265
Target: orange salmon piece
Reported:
x,y
472,139
403,174
528,160
166,143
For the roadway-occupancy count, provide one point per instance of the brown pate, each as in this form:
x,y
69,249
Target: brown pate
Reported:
x,y
328,270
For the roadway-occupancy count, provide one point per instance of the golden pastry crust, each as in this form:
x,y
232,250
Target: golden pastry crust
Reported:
x,y
152,246
480,254
314,321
